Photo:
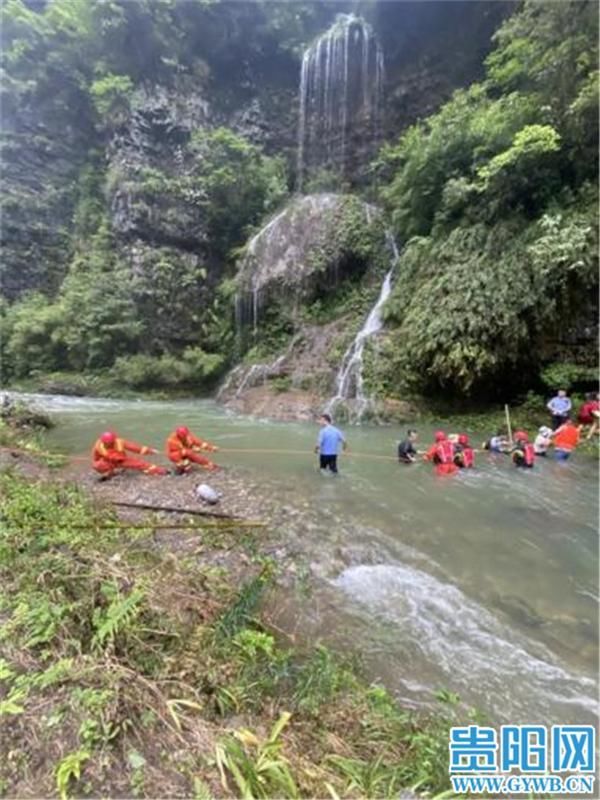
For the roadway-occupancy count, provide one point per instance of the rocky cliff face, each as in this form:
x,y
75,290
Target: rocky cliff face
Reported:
x,y
431,49
50,142
43,149
308,249
155,210
315,269
152,142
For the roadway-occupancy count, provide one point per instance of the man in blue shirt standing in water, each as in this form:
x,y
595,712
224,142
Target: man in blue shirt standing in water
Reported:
x,y
560,408
328,444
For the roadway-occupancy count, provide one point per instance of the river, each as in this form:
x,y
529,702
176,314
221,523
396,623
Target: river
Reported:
x,y
485,583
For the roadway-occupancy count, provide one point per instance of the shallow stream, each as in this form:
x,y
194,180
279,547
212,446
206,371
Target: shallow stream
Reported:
x,y
485,583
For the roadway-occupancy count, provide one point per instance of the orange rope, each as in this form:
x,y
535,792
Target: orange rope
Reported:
x,y
249,450
221,450
302,453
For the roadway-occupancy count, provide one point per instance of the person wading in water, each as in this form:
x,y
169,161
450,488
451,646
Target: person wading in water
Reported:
x,y
441,453
328,444
407,453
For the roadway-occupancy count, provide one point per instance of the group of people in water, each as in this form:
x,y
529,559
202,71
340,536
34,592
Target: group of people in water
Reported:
x,y
452,452
449,452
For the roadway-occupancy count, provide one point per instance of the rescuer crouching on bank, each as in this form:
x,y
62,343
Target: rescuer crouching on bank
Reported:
x,y
183,449
110,457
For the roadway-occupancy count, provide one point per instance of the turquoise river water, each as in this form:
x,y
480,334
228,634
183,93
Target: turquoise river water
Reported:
x,y
485,583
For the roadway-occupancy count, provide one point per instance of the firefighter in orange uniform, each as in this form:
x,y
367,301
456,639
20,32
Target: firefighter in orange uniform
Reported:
x,y
523,451
183,449
442,455
464,457
109,456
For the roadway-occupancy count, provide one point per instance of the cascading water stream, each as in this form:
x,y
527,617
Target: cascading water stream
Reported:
x,y
341,96
341,101
350,380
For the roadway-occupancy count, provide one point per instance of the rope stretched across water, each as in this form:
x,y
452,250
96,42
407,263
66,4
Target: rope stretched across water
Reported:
x,y
240,451
248,450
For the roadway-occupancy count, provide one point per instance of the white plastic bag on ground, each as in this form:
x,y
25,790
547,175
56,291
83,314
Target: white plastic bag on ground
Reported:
x,y
207,494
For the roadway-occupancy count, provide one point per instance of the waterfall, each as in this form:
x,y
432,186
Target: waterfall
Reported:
x,y
350,380
341,96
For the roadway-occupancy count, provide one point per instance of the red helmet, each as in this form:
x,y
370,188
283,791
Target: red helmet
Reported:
x,y
521,436
182,431
463,439
440,436
108,437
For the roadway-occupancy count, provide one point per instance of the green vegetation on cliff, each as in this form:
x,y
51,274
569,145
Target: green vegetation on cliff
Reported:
x,y
497,195
164,323
144,142
125,190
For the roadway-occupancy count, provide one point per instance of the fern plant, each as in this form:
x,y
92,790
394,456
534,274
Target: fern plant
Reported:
x,y
69,767
120,613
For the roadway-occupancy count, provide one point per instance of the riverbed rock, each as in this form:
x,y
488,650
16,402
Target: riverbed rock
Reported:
x,y
262,401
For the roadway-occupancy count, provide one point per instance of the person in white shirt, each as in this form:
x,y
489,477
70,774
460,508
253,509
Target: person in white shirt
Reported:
x,y
542,441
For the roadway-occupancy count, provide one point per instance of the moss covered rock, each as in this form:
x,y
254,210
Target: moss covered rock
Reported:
x,y
316,244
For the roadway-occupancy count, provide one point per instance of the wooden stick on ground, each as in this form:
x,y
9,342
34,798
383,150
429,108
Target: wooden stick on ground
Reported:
x,y
232,523
201,526
178,510
508,425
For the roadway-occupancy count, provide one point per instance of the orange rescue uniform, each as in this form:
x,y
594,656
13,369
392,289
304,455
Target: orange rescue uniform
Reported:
x,y
442,455
184,451
567,437
109,459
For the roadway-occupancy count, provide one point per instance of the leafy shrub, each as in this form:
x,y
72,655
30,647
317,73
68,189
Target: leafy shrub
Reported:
x,y
458,326
464,320
32,336
281,385
194,367
202,367
239,183
567,376
498,186
450,145
148,372
111,96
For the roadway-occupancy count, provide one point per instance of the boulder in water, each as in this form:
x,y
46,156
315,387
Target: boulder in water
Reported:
x,y
207,494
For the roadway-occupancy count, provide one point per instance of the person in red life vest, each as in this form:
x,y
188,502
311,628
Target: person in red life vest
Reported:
x,y
589,413
566,439
183,449
523,454
441,453
110,457
464,457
